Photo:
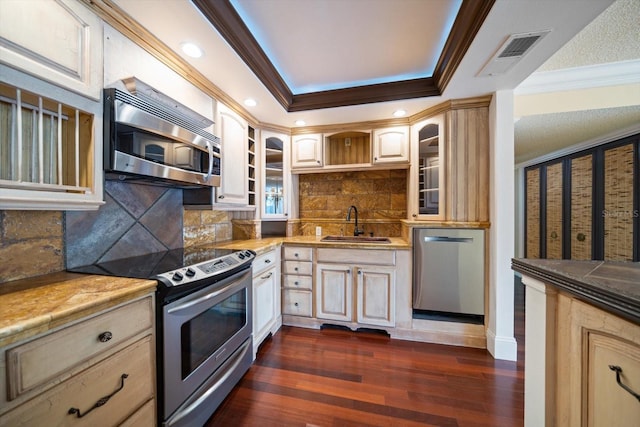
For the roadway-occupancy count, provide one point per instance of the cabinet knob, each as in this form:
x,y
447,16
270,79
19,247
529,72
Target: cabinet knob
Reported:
x,y
295,303
221,196
296,255
105,336
414,215
296,283
295,268
554,235
581,237
267,261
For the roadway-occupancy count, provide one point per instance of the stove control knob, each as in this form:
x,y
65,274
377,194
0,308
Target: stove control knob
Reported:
x,y
190,272
240,255
177,276
248,254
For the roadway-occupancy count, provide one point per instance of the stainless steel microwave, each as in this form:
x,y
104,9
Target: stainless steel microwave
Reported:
x,y
146,143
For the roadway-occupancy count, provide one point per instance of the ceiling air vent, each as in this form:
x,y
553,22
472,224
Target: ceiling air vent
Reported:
x,y
511,51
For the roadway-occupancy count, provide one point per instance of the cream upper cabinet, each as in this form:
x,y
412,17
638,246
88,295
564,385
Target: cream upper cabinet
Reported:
x,y
427,176
233,131
391,145
306,151
276,191
59,41
50,154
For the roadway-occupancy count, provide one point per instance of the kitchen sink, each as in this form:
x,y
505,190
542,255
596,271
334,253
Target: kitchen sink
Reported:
x,y
359,239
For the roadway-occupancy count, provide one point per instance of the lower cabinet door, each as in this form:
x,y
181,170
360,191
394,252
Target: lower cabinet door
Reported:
x,y
376,296
126,377
334,287
608,403
264,303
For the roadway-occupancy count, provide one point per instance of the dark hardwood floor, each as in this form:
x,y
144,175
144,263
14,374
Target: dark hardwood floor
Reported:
x,y
304,377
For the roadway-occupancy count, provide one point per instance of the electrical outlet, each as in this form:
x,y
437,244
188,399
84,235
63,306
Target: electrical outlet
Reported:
x,y
318,231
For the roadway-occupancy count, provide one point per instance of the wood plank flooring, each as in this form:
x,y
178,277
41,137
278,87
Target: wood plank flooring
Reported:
x,y
304,377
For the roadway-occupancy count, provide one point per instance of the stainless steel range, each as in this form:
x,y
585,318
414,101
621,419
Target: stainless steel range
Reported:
x,y
204,326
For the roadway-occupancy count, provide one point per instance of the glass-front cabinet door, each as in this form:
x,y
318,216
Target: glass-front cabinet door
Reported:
x,y
427,180
275,191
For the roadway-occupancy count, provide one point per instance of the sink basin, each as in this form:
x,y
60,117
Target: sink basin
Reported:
x,y
359,239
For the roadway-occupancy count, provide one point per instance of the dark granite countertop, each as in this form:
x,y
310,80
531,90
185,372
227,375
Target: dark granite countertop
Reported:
x,y
612,286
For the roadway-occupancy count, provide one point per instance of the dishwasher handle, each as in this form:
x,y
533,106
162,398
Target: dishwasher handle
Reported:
x,y
448,239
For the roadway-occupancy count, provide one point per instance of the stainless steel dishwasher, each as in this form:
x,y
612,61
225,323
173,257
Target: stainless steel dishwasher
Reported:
x,y
448,276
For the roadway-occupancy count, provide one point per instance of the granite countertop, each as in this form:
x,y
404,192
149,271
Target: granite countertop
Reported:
x,y
35,305
31,306
265,244
613,286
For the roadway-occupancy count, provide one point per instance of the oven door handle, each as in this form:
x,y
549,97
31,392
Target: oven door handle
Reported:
x,y
197,301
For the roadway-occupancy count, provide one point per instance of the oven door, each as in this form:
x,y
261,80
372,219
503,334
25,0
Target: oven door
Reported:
x,y
200,332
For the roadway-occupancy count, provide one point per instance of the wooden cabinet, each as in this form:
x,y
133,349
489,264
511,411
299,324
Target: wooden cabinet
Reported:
x,y
581,206
427,180
55,378
449,178
372,271
50,155
589,342
276,191
59,41
334,292
266,296
233,131
376,295
391,145
306,151
297,284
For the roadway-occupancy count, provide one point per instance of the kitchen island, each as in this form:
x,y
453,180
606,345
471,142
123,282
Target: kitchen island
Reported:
x,y
582,342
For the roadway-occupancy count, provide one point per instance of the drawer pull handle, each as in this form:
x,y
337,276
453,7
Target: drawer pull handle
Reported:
x,y
105,336
267,261
101,402
618,371
267,276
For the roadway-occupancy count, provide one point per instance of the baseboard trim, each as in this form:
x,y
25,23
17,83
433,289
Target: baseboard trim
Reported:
x,y
503,348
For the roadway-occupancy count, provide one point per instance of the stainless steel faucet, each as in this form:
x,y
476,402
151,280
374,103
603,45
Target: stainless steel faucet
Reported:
x,y
356,231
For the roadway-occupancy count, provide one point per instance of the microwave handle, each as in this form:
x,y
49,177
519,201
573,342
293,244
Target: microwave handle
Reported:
x,y
210,171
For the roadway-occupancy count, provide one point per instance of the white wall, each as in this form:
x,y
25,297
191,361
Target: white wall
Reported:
x,y
500,338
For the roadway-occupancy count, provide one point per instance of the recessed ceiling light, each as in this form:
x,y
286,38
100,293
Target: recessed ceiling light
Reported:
x,y
300,123
250,102
191,50
399,113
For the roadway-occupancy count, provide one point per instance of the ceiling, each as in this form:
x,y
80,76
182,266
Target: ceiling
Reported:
x,y
320,61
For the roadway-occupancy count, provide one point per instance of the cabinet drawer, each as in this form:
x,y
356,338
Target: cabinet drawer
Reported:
x,y
357,256
84,390
298,282
298,253
143,417
297,303
302,268
42,360
264,261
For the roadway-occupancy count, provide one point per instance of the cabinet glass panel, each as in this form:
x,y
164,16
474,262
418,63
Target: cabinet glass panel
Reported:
x,y
274,189
429,170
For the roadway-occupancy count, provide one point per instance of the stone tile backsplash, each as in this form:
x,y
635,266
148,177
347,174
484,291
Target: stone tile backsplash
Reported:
x,y
135,219
31,244
379,196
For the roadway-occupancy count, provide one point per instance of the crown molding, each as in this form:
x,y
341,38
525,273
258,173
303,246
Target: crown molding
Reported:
x,y
223,16
611,74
